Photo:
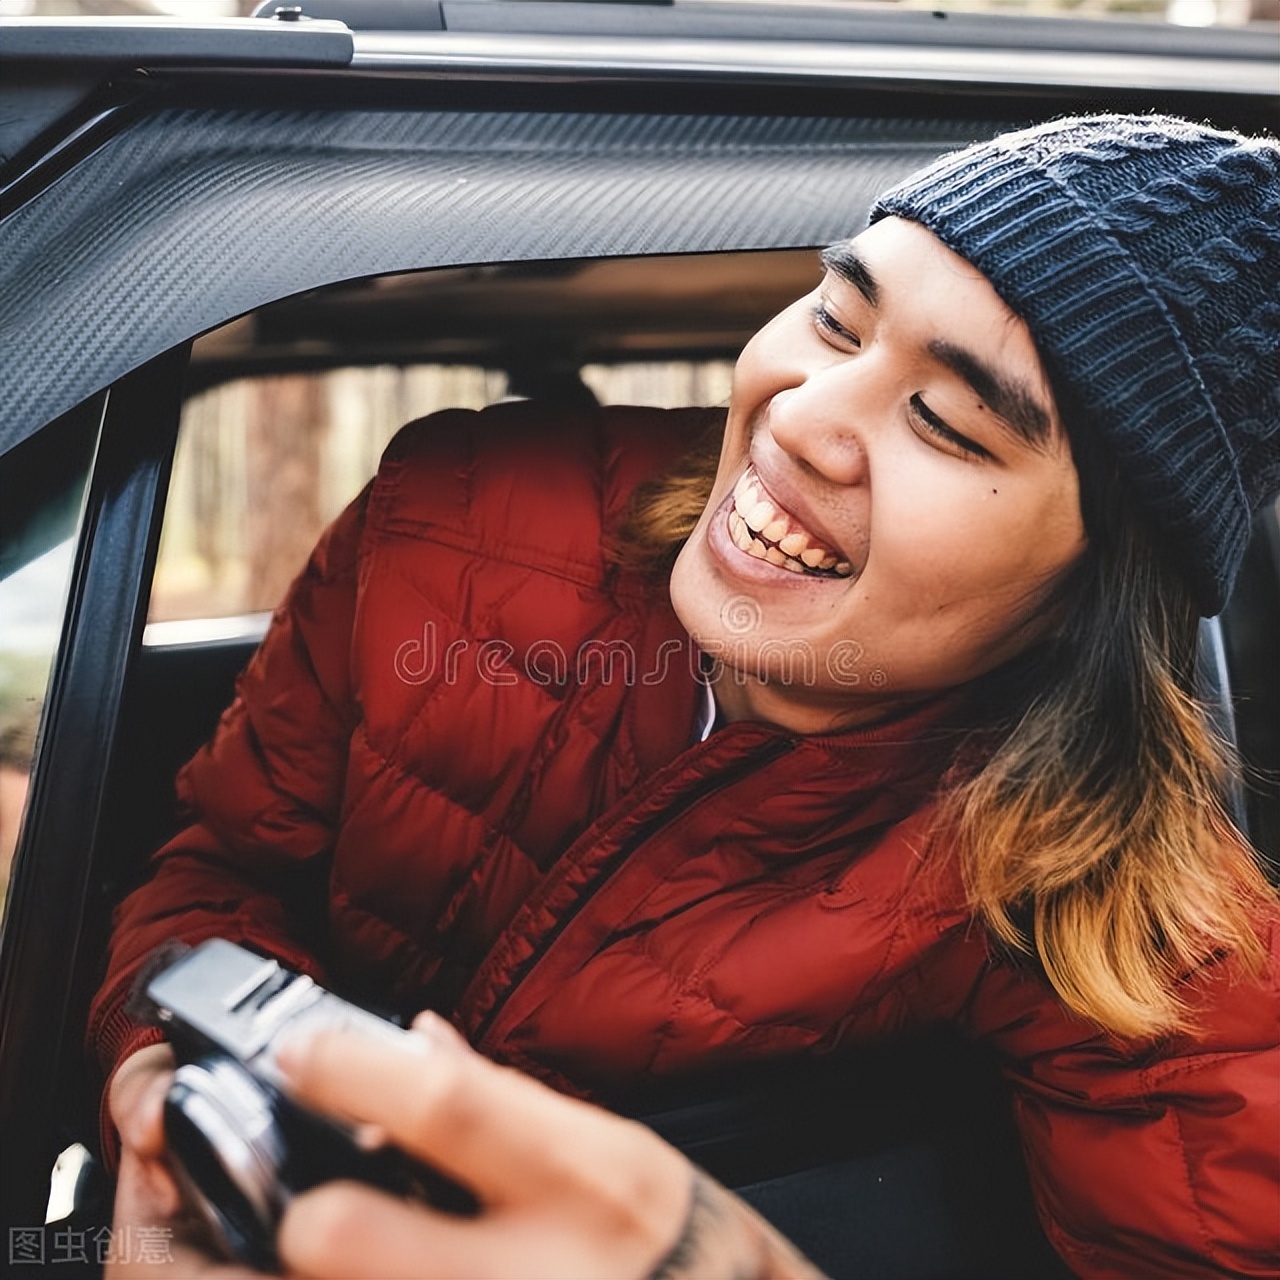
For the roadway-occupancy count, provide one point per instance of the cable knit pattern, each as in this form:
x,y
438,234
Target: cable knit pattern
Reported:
x,y
1144,254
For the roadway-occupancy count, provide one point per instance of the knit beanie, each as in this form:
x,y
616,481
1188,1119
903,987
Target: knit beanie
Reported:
x,y
1143,252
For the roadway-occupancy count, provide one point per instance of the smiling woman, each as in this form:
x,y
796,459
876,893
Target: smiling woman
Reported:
x,y
941,568
949,541
854,425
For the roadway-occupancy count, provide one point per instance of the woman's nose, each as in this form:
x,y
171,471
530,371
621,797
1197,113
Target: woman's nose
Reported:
x,y
820,423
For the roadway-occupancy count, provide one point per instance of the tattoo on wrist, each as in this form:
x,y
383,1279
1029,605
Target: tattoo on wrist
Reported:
x,y
724,1239
675,1263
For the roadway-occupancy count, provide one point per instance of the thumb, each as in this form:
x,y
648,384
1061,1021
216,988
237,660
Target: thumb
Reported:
x,y
136,1099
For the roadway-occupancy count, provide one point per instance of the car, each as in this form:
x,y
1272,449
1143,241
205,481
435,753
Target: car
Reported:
x,y
546,199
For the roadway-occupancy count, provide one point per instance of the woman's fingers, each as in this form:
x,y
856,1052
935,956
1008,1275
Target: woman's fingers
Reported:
x,y
507,1137
146,1198
136,1098
566,1190
145,1191
437,1029
146,1195
345,1230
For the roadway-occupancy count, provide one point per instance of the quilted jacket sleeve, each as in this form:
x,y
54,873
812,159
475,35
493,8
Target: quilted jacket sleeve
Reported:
x,y
263,796
1156,1161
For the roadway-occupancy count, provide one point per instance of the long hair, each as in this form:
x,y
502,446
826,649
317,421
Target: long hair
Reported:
x,y
1095,834
664,509
1087,809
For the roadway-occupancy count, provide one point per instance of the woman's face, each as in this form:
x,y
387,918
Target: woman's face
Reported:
x,y
895,494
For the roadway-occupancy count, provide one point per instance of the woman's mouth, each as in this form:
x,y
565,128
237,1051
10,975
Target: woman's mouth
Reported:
x,y
762,528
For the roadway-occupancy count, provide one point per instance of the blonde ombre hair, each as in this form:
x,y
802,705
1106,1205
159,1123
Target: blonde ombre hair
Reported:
x,y
1087,809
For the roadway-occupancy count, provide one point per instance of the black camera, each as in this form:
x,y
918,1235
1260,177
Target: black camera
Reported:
x,y
240,1147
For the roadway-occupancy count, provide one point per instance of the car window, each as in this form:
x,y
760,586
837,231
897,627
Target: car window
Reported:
x,y
289,408
264,464
44,483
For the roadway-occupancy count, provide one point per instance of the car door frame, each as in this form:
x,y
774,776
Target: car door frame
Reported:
x,y
55,882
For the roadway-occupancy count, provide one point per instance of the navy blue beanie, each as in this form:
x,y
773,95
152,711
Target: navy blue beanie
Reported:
x,y
1143,252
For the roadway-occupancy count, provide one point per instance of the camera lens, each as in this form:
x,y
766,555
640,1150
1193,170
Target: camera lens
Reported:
x,y
222,1133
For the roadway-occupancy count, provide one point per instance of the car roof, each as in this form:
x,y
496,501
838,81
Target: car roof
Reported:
x,y
164,177
699,38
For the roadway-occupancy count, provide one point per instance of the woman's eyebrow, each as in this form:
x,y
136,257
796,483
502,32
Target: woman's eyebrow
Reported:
x,y
1010,398
844,261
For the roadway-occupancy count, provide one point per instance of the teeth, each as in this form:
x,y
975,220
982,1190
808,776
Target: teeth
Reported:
x,y
754,514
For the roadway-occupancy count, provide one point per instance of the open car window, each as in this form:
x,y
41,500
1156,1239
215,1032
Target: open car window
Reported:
x,y
290,407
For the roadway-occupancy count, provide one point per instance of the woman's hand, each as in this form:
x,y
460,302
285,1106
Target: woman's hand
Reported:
x,y
135,1101
147,1198
147,1201
566,1189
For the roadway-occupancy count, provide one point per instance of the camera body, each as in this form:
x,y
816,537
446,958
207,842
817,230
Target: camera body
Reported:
x,y
239,1145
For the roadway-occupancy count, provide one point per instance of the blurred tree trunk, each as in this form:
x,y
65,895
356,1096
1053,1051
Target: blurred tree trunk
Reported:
x,y
286,424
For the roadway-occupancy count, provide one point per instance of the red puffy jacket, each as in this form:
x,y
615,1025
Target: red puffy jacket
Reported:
x,y
471,736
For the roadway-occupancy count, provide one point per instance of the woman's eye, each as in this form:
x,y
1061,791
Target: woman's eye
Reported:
x,y
950,439
832,330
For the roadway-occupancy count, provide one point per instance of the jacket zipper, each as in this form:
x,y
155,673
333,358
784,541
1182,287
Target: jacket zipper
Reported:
x,y
647,830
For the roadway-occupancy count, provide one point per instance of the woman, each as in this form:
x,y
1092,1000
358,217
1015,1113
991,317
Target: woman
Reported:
x,y
971,495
